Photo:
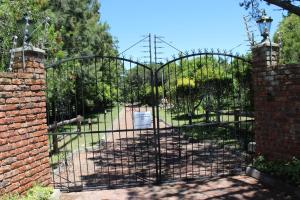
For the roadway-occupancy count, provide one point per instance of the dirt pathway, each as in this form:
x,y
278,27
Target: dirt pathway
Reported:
x,y
129,158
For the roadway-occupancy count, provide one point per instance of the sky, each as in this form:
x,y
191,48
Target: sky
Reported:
x,y
185,24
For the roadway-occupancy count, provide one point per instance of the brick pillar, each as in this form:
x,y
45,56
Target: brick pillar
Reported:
x,y
277,104
23,128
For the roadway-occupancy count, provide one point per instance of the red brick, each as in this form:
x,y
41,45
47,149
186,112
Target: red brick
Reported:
x,y
5,81
2,101
2,114
14,126
8,107
36,87
7,75
25,75
17,81
13,100
2,129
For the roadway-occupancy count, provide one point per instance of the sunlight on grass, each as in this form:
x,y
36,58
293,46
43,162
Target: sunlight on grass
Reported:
x,y
71,142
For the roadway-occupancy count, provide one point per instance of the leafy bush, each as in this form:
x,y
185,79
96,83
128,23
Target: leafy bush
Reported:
x,y
37,192
288,171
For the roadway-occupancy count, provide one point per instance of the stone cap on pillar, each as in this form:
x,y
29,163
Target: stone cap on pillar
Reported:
x,y
265,54
266,43
28,49
24,57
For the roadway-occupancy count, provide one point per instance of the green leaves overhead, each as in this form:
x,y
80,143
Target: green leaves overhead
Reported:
x,y
288,34
75,27
81,29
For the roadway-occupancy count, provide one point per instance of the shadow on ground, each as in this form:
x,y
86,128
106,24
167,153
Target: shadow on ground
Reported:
x,y
234,187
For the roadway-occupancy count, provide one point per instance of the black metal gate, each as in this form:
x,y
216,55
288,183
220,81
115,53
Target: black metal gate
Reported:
x,y
200,111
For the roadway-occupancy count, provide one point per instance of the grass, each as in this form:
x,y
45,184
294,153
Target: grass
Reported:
x,y
229,135
224,136
71,142
37,192
179,119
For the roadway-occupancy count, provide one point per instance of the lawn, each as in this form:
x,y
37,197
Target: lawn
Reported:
x,y
179,119
227,133
70,140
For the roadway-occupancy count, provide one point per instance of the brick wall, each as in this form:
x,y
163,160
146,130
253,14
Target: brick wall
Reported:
x,y
23,129
277,104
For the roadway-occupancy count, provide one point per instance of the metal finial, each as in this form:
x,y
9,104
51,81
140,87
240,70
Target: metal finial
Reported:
x,y
26,29
12,53
46,26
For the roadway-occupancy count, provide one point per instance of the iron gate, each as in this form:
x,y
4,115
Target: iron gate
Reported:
x,y
200,106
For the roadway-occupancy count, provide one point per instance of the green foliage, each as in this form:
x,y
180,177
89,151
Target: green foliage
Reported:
x,y
185,86
147,95
289,171
206,132
289,30
37,192
186,93
81,29
292,6
12,23
209,82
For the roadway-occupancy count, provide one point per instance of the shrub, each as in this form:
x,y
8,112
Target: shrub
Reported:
x,y
289,171
37,192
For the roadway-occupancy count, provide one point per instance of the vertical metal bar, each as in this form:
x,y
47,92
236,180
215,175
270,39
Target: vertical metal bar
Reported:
x,y
194,110
200,140
165,120
76,109
206,113
139,132
154,127
98,121
125,117
189,114
220,118
173,139
228,110
118,110
111,116
158,129
150,51
93,60
83,113
51,159
66,162
104,78
211,127
133,98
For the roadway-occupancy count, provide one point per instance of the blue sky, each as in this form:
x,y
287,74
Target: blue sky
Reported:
x,y
186,24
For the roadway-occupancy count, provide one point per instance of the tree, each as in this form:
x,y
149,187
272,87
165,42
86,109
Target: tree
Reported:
x,y
289,34
12,23
81,29
292,6
203,82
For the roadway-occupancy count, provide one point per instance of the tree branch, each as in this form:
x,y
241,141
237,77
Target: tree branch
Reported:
x,y
287,5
